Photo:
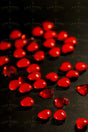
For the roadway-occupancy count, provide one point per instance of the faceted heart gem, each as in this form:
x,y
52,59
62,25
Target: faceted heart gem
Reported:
x,y
39,55
33,68
80,66
20,43
65,66
46,93
60,115
25,87
64,82
72,74
50,34
27,101
54,52
24,62
33,46
82,89
49,43
47,25
81,123
3,60
5,45
71,40
52,76
8,70
62,35
37,31
34,76
67,48
14,84
40,83
19,53
45,114
15,34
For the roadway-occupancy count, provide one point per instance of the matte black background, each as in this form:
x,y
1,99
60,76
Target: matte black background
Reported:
x,y
69,15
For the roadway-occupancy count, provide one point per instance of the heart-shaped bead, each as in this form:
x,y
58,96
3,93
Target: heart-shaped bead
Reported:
x,y
27,102
65,66
3,60
25,87
34,76
8,70
5,45
52,76
15,34
47,25
50,34
67,48
46,93
82,89
39,55
81,123
80,66
33,46
33,68
54,52
60,115
19,53
64,82
37,31
24,62
20,43
72,74
71,40
62,35
14,84
39,84
49,43
45,114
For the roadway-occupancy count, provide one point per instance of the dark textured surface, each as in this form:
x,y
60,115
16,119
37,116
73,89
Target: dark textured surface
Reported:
x,y
70,15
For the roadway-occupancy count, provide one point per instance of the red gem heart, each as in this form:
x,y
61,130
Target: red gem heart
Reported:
x,y
62,35
80,66
19,53
67,48
24,62
15,34
72,74
64,82
49,43
3,60
82,89
33,46
40,83
65,66
52,76
81,123
27,101
5,45
71,40
60,115
47,25
20,43
33,68
54,52
50,34
25,87
37,31
34,76
39,55
14,84
45,114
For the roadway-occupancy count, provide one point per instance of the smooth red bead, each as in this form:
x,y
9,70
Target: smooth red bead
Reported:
x,y
81,123
72,74
50,34
5,45
67,48
3,60
24,62
15,34
64,82
82,89
60,115
8,70
37,31
80,66
39,55
45,114
25,87
52,76
54,52
34,76
33,68
65,66
62,35
40,83
33,46
47,25
20,43
46,93
14,84
71,40
19,53
49,43
27,102
23,36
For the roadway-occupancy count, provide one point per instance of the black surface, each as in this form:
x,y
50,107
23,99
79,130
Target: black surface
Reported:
x,y
70,15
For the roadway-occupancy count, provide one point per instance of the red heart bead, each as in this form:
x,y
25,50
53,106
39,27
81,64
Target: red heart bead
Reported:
x,y
33,46
62,35
24,62
5,45
81,123
52,76
15,34
39,55
47,25
20,43
64,82
3,60
14,84
50,34
54,52
60,115
25,87
82,89
45,114
80,66
40,83
27,101
34,76
67,48
19,53
71,40
37,31
8,70
49,43
33,68
72,74
65,66
46,93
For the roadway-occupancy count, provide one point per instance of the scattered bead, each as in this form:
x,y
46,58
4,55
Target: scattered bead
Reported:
x,y
5,45
19,53
81,123
65,66
80,66
67,48
33,68
8,70
72,74
24,62
27,102
64,82
25,87
71,40
47,25
54,52
39,84
50,34
15,34
37,31
49,43
3,60
46,93
82,89
62,35
52,76
20,43
45,114
34,76
39,55
23,36
60,115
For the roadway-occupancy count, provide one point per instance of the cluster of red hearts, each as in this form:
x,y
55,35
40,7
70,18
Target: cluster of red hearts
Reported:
x,y
50,37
